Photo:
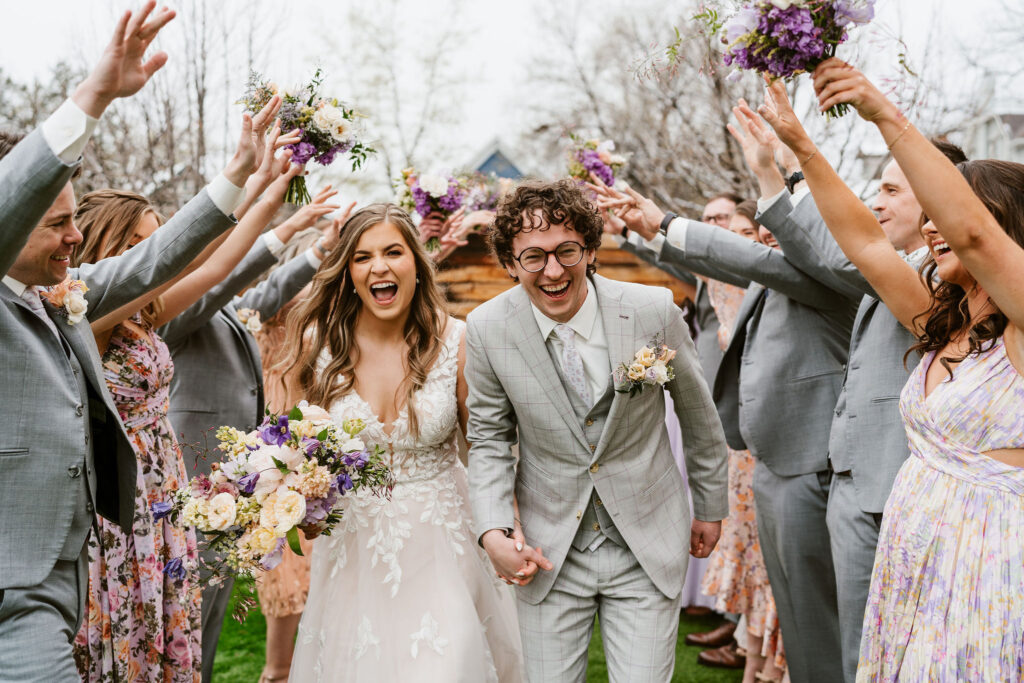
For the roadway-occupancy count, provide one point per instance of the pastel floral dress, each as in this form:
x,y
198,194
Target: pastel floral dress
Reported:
x,y
401,590
737,576
143,617
947,592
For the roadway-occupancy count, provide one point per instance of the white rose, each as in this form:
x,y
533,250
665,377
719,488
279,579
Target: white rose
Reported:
x,y
289,456
434,185
331,120
289,509
313,413
253,324
270,476
782,4
352,445
222,511
660,372
262,541
76,306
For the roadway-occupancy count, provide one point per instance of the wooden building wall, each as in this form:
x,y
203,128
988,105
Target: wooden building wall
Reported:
x,y
471,275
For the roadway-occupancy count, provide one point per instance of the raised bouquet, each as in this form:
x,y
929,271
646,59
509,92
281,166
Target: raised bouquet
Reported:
x,y
286,476
329,128
649,368
594,156
483,192
783,38
427,193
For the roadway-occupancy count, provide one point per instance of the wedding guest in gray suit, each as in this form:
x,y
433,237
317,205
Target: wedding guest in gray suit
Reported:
x,y
775,390
596,484
66,457
868,442
218,376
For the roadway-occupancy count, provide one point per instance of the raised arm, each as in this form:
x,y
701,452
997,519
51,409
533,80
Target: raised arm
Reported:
x,y
992,257
852,223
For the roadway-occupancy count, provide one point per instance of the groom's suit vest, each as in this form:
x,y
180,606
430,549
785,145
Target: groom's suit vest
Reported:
x,y
596,524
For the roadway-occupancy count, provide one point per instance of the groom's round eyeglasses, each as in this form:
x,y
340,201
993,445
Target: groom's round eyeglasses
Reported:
x,y
535,259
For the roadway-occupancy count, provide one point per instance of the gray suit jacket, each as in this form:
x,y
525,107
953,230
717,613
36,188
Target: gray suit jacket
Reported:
x,y
53,435
708,350
868,437
218,376
780,375
515,395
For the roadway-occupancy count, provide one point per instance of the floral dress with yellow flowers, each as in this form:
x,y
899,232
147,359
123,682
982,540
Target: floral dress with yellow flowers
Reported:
x,y
143,614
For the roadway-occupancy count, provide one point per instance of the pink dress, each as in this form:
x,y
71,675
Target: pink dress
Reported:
x,y
143,617
947,592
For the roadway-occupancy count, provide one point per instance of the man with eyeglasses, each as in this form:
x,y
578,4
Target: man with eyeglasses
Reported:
x,y
596,485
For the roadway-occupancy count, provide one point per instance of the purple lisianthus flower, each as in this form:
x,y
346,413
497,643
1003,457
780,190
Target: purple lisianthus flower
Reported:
x,y
274,557
275,434
160,509
175,569
344,482
302,152
247,484
318,508
741,24
357,459
858,12
309,445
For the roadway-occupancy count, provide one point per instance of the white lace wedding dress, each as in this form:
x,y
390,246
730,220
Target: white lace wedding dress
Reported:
x,y
400,590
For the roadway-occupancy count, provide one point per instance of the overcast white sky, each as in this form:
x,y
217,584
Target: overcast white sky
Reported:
x,y
500,40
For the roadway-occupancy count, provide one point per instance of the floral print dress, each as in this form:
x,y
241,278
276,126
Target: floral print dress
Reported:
x,y
143,613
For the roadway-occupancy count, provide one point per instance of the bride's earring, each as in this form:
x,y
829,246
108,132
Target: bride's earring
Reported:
x,y
417,280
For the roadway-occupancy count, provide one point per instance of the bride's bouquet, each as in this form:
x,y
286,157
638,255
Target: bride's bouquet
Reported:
x,y
595,156
427,193
282,478
783,38
328,127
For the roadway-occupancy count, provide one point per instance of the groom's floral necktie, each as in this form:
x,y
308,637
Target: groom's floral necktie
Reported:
x,y
31,297
572,363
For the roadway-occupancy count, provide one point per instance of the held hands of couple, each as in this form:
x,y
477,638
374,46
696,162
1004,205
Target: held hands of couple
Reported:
x,y
120,71
704,537
513,560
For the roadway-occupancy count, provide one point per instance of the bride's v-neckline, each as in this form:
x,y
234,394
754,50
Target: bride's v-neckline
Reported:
x,y
388,428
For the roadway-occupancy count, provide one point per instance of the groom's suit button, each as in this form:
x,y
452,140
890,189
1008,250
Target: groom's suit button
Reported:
x,y
595,467
579,513
590,422
88,506
593,448
597,501
597,527
74,471
78,411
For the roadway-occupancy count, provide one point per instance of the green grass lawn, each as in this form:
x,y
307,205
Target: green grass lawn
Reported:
x,y
240,652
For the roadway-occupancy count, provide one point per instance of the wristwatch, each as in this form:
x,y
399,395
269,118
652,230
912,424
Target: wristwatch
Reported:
x,y
792,180
669,217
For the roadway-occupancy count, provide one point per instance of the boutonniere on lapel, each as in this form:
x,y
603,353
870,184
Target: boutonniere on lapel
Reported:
x,y
649,368
69,295
251,319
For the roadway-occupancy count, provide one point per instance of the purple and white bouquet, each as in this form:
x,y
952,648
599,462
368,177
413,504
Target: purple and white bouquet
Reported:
x,y
329,128
594,156
427,193
783,38
284,477
483,192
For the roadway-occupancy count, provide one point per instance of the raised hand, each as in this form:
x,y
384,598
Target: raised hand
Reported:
x,y
432,225
332,233
760,147
120,71
251,149
836,82
778,112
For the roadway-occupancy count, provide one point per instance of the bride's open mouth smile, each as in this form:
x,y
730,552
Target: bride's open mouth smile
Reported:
x,y
384,292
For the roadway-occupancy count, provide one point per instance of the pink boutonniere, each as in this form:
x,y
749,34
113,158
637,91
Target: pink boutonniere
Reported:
x,y
69,295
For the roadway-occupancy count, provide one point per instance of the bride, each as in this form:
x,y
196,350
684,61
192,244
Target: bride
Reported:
x,y
400,590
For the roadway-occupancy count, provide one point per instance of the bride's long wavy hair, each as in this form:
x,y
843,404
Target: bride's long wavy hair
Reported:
x,y
325,320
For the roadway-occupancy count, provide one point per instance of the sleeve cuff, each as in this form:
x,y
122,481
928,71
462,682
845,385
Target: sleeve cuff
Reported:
x,y
676,234
765,203
67,131
798,195
619,239
273,244
225,195
313,259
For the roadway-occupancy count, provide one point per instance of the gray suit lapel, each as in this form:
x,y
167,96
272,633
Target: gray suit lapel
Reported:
x,y
619,322
527,339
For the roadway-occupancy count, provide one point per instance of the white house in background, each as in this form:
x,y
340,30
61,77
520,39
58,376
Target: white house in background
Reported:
x,y
995,136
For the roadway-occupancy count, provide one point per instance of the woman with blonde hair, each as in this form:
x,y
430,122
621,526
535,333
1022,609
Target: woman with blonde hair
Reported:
x,y
399,590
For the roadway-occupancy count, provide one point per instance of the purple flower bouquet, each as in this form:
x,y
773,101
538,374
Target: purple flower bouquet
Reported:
x,y
783,38
428,193
284,477
594,156
329,128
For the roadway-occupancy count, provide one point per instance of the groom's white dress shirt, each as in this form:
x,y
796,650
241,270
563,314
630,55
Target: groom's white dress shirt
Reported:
x,y
591,342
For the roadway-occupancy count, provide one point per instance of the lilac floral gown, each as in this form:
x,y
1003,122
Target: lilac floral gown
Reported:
x,y
947,592
143,617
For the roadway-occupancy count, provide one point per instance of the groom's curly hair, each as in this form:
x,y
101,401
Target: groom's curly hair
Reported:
x,y
561,201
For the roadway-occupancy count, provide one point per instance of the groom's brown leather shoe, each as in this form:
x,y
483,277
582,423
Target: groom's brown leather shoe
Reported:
x,y
724,657
714,638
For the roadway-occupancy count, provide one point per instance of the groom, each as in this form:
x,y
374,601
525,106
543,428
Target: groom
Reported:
x,y
596,484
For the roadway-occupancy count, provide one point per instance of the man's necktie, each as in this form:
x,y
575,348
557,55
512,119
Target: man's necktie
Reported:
x,y
572,363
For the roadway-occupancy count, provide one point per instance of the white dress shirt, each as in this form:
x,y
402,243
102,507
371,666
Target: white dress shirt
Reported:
x,y
17,287
276,247
591,343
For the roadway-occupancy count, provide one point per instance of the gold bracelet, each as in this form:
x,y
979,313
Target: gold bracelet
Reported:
x,y
897,138
805,161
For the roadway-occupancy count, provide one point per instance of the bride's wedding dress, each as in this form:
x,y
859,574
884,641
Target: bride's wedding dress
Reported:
x,y
400,590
